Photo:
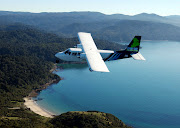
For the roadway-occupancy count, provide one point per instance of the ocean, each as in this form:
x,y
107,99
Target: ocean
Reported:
x,y
143,94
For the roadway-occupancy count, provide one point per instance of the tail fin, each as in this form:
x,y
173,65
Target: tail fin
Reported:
x,y
133,48
134,45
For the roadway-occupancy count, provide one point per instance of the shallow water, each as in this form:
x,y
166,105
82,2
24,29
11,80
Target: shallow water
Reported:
x,y
143,94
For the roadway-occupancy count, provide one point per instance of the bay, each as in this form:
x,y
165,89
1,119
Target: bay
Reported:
x,y
143,94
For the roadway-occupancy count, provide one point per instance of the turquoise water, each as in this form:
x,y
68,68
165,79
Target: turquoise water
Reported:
x,y
143,94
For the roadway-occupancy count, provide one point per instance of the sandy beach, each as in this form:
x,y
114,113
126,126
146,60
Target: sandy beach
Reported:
x,y
29,103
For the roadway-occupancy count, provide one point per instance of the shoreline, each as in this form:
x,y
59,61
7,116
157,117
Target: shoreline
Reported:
x,y
32,105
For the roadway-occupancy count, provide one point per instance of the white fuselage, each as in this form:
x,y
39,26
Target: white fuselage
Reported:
x,y
77,54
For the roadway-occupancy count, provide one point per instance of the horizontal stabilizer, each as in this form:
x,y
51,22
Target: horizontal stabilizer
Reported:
x,y
138,56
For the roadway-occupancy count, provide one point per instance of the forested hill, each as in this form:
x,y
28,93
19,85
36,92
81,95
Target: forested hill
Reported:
x,y
21,71
89,119
26,57
116,27
24,40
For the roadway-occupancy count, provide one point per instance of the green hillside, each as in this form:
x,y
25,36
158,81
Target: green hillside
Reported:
x,y
89,119
26,57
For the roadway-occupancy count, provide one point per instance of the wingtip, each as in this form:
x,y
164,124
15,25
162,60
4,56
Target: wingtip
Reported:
x,y
103,71
98,70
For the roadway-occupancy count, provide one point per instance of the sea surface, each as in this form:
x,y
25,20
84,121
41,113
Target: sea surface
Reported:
x,y
143,94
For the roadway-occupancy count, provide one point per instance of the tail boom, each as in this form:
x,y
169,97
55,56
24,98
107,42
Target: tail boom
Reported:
x,y
132,50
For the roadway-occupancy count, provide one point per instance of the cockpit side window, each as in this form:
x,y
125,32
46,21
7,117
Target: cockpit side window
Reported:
x,y
67,51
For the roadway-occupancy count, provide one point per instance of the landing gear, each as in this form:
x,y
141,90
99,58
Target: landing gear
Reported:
x,y
57,61
90,69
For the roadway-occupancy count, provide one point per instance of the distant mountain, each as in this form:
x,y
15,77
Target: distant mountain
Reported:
x,y
149,17
81,17
174,17
142,16
126,29
18,39
116,27
51,21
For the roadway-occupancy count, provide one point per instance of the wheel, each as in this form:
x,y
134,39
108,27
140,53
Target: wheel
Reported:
x,y
57,61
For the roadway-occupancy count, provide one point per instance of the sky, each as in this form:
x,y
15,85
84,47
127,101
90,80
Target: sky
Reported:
x,y
128,7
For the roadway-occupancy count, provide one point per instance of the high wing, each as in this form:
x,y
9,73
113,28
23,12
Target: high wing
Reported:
x,y
93,57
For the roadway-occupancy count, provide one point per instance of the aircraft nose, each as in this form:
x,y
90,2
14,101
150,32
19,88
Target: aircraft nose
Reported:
x,y
56,55
59,54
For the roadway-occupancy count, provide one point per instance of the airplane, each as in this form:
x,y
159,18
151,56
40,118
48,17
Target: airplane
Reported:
x,y
87,51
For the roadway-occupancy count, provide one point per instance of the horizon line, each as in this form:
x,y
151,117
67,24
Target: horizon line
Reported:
x,y
88,11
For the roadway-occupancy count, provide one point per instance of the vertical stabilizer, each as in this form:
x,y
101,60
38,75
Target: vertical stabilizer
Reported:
x,y
134,45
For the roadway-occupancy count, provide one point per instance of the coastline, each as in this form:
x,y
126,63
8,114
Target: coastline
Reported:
x,y
32,105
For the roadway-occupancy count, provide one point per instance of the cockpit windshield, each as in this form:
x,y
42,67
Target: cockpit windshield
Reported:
x,y
67,52
74,53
